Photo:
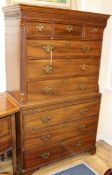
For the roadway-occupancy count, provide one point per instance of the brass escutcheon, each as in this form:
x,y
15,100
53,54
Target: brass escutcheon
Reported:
x,y
45,119
45,138
69,28
82,86
82,127
85,49
45,155
48,69
94,30
84,111
48,48
84,67
80,143
40,27
47,91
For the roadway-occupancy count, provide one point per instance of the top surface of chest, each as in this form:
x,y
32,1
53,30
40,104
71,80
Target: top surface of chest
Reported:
x,y
7,106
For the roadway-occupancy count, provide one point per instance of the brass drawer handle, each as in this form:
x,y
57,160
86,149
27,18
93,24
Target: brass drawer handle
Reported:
x,y
85,49
84,67
48,48
45,119
69,28
45,155
94,30
82,86
47,91
80,143
40,27
48,69
84,111
45,138
82,127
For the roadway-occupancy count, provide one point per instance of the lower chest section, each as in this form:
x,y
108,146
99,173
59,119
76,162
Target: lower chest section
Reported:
x,y
52,133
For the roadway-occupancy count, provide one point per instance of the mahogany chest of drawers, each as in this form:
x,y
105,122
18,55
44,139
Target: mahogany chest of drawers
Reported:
x,y
52,63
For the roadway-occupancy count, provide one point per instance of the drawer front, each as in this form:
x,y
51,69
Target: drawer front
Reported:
x,y
93,33
49,135
39,157
5,134
42,49
48,90
38,29
58,151
80,144
68,31
34,119
40,69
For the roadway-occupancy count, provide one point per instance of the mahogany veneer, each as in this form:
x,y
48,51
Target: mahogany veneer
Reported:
x,y
52,63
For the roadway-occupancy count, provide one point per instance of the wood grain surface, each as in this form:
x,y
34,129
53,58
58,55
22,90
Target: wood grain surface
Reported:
x,y
7,105
61,68
63,49
34,118
52,61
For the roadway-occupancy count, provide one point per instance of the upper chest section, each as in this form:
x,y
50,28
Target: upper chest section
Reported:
x,y
54,23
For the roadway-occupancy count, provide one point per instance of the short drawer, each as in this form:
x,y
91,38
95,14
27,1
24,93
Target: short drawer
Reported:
x,y
81,144
68,31
5,134
57,133
50,90
41,69
44,156
43,49
39,29
93,32
38,118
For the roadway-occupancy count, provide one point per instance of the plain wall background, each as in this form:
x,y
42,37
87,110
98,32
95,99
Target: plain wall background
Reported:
x,y
105,118
101,6
2,49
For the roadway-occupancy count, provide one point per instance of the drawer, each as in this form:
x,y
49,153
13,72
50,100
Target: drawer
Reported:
x,y
40,156
48,90
68,31
57,133
80,144
93,33
40,69
5,134
34,119
38,30
42,49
